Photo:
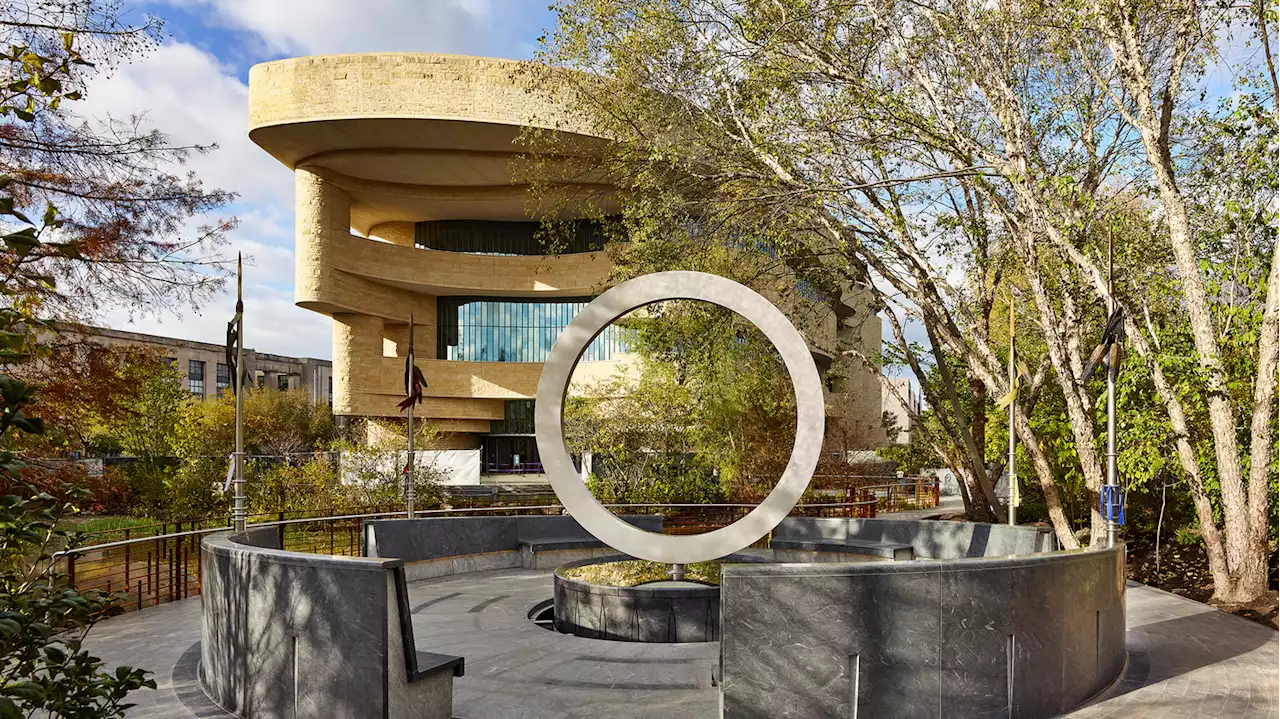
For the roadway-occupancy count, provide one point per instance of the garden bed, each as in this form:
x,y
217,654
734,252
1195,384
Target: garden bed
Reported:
x,y
634,572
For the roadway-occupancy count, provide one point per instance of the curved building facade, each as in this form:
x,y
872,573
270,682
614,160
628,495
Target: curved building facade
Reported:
x,y
407,207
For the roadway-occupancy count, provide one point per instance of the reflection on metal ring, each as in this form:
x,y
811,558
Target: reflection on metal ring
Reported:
x,y
554,384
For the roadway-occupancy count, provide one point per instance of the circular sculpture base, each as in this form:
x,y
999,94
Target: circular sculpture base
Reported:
x,y
663,611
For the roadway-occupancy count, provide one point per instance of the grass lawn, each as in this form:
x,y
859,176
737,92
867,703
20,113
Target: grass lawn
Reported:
x,y
105,523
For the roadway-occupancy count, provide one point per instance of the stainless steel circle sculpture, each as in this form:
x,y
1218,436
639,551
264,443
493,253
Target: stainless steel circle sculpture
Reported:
x,y
554,385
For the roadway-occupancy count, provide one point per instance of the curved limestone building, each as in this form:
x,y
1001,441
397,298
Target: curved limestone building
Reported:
x,y
407,206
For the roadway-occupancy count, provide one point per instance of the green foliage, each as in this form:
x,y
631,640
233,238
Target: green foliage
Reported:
x,y
276,422
1187,536
371,472
918,454
44,669
184,445
148,428
703,409
670,479
44,620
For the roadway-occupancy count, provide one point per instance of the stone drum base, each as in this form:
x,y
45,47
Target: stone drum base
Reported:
x,y
659,612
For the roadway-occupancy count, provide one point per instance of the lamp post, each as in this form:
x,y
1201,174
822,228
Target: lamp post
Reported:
x,y
1111,495
1013,401
238,515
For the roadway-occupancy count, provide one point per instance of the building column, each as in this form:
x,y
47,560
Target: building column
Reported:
x,y
396,336
321,209
859,387
357,349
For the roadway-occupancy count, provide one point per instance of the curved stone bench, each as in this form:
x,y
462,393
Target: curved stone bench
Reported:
x,y
985,622
286,634
441,546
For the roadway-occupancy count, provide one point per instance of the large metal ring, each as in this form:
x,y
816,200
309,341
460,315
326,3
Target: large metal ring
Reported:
x,y
554,384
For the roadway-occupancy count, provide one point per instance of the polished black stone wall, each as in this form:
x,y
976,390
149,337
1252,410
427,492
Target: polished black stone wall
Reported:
x,y
1025,637
309,636
929,539
415,540
637,614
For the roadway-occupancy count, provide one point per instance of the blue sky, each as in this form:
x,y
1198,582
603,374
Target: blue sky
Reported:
x,y
194,88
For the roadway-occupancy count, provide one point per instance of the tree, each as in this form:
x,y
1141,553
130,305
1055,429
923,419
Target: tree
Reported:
x,y
123,238
703,406
277,424
372,462
737,145
43,619
949,157
86,390
147,428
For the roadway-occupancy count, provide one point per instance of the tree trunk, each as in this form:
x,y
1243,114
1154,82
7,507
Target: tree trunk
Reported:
x,y
1253,573
975,463
1246,549
1077,415
1044,473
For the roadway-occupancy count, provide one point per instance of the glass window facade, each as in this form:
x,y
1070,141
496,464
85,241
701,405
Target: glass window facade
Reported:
x,y
518,418
484,329
511,454
195,377
486,237
510,445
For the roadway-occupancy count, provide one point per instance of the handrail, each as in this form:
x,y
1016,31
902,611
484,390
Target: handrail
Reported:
x,y
304,520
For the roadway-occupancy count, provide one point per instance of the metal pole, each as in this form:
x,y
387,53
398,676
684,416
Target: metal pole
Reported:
x,y
409,492
1111,401
1013,377
238,515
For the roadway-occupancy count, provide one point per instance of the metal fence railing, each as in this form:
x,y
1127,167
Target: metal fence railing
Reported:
x,y
893,494
167,566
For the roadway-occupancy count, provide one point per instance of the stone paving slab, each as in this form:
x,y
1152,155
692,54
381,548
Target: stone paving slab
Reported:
x,y
1185,659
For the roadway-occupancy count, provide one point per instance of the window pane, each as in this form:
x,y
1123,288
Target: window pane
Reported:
x,y
497,330
489,237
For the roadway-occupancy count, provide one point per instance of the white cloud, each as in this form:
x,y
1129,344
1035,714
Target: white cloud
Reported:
x,y
272,322
195,99
266,238
308,27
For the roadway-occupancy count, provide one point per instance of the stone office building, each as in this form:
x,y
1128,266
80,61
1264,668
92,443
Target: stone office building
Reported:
x,y
206,374
406,206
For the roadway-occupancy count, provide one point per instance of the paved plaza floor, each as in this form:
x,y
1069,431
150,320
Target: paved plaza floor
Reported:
x,y
1185,659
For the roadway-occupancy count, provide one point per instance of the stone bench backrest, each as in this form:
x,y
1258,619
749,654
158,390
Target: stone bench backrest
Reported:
x,y
305,635
928,538
416,540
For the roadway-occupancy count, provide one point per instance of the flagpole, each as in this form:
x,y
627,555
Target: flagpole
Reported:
x,y
1013,474
1112,371
408,467
237,503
